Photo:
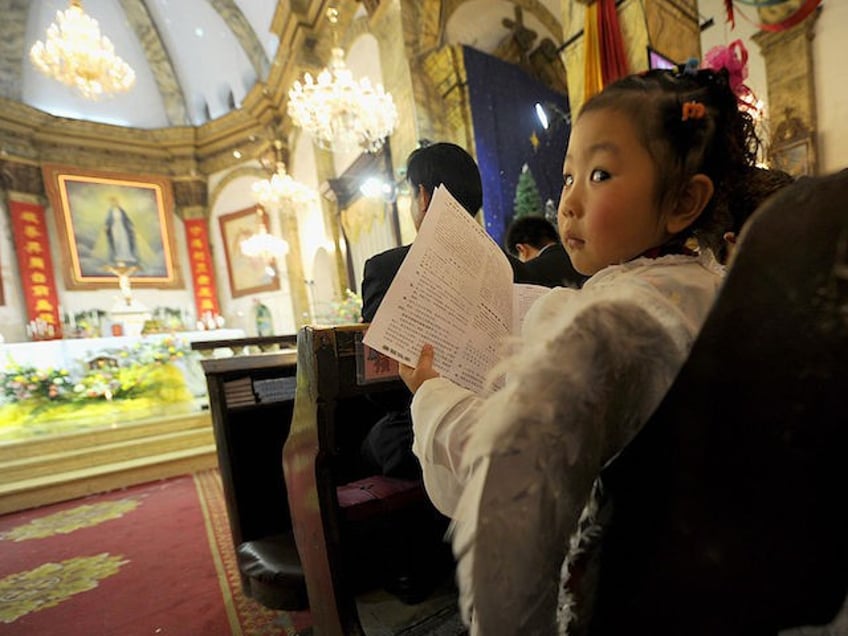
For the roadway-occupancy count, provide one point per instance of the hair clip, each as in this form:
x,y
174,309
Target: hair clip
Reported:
x,y
693,110
691,66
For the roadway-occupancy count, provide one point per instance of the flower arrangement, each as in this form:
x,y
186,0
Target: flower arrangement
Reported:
x,y
159,351
142,377
19,383
347,310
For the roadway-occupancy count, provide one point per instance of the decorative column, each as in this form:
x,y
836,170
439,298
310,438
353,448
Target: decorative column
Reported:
x,y
329,208
24,193
287,216
788,56
191,205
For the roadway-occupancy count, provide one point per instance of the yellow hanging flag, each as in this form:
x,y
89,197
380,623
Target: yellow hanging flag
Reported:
x,y
593,78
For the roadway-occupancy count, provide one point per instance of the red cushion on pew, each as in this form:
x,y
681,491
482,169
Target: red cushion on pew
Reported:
x,y
376,495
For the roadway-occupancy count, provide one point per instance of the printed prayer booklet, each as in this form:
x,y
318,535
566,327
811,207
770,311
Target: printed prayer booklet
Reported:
x,y
454,291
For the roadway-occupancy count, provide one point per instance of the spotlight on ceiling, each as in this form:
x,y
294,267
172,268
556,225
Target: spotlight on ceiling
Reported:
x,y
377,188
542,115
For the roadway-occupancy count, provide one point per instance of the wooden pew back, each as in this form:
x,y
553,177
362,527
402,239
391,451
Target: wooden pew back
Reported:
x,y
251,398
337,401
727,510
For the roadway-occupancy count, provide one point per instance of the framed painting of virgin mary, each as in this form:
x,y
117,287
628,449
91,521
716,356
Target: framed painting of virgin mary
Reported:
x,y
108,222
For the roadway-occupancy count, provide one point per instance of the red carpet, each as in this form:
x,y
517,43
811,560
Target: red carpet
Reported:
x,y
152,559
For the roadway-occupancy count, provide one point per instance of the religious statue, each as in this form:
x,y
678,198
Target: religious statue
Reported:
x,y
123,272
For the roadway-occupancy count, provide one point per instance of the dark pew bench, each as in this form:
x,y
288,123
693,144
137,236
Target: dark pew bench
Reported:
x,y
353,530
247,345
727,509
251,399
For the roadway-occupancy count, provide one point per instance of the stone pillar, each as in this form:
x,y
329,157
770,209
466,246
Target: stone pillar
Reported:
x,y
673,30
22,183
22,177
449,104
791,86
294,267
191,198
326,170
385,24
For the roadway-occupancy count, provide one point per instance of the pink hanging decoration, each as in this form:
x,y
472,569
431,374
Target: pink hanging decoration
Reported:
x,y
734,58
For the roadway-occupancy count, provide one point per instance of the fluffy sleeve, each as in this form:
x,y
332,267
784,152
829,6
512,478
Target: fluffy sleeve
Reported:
x,y
575,397
442,416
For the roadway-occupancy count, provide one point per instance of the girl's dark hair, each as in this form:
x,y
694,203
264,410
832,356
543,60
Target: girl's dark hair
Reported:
x,y
721,144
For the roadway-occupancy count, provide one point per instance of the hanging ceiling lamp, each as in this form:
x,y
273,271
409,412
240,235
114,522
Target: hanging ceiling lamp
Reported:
x,y
339,112
264,245
280,188
77,55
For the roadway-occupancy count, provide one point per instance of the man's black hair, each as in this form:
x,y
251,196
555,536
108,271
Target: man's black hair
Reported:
x,y
448,164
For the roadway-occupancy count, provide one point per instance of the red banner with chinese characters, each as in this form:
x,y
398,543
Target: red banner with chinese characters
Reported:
x,y
202,272
36,270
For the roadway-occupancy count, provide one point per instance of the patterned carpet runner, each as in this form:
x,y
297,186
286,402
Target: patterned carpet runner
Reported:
x,y
151,559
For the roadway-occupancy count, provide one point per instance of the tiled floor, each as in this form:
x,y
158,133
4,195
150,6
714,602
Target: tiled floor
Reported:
x,y
838,627
381,614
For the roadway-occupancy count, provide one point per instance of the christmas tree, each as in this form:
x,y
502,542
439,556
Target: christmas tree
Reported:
x,y
527,200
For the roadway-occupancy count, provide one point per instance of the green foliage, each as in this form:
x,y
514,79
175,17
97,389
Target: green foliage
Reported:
x,y
127,378
528,201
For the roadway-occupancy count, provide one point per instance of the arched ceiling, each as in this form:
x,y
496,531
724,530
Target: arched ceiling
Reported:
x,y
480,23
196,60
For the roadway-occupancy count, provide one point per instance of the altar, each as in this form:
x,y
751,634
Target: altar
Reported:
x,y
58,386
65,352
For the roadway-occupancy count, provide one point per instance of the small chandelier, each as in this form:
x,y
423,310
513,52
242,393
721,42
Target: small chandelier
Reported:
x,y
264,245
339,112
280,187
77,55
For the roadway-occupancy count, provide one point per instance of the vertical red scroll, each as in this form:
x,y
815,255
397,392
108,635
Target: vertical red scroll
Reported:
x,y
202,271
36,269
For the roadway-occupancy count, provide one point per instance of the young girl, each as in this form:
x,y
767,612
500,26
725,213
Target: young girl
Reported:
x,y
654,162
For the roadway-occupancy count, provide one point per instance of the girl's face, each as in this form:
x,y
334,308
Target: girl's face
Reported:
x,y
608,211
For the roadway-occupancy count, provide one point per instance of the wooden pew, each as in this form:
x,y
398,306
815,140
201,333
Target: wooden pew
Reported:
x,y
349,527
251,398
727,510
250,344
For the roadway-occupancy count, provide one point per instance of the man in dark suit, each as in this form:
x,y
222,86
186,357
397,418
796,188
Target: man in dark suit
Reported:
x,y
544,261
388,446
426,168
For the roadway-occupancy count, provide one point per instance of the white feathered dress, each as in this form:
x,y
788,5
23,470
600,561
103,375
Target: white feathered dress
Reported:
x,y
590,368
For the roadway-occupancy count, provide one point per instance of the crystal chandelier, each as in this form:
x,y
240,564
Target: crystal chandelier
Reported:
x,y
339,112
263,244
280,187
77,55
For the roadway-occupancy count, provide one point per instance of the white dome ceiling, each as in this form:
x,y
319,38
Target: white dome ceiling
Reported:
x,y
194,59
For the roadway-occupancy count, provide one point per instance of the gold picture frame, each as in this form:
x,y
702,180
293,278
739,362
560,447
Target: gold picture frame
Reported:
x,y
247,274
108,219
795,157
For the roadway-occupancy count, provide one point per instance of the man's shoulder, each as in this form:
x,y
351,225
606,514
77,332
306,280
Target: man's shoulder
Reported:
x,y
553,268
390,257
551,252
